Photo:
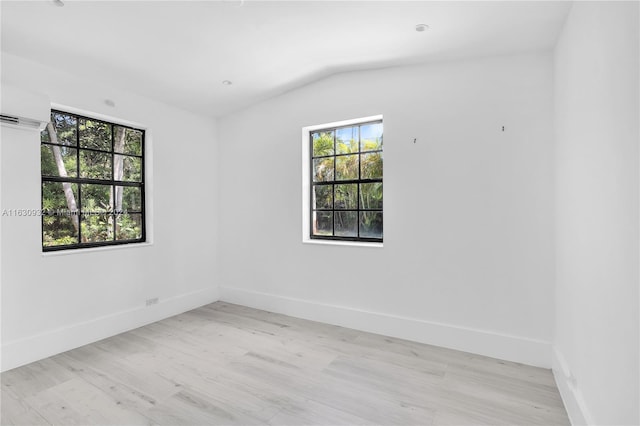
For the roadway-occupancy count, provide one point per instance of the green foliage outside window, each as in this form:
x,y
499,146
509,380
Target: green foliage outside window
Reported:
x,y
92,182
347,171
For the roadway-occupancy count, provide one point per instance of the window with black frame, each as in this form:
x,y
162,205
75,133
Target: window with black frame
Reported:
x,y
346,183
92,183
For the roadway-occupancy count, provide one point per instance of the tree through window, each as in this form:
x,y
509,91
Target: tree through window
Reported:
x,y
346,182
92,183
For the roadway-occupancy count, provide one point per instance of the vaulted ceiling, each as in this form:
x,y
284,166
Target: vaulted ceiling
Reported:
x,y
180,52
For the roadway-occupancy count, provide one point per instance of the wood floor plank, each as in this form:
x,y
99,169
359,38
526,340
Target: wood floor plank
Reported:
x,y
313,413
370,402
124,395
123,368
77,402
15,411
191,407
234,365
35,377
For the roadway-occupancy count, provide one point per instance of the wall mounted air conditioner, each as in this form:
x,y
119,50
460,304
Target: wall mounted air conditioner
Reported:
x,y
23,109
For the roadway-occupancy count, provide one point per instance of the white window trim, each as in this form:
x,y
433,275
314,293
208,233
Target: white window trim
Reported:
x,y
95,249
306,186
148,179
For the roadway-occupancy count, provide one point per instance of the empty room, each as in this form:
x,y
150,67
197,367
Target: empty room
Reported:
x,y
248,212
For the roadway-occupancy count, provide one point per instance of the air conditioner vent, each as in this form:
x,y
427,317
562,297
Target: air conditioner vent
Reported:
x,y
21,122
24,109
8,119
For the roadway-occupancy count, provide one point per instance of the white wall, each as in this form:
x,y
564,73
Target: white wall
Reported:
x,y
51,303
597,326
468,257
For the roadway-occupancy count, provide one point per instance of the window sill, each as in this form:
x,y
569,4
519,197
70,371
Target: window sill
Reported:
x,y
95,249
342,243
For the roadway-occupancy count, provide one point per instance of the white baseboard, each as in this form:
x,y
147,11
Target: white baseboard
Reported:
x,y
483,342
571,396
23,351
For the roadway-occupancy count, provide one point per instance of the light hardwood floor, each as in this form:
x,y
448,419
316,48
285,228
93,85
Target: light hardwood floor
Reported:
x,y
228,364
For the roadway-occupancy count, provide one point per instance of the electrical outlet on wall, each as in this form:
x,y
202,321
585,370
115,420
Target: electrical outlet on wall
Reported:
x,y
152,301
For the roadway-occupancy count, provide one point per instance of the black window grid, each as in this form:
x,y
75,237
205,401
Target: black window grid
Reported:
x,y
335,182
92,181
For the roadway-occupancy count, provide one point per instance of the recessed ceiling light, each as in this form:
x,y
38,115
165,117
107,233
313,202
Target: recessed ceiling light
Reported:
x,y
422,27
236,3
227,82
58,3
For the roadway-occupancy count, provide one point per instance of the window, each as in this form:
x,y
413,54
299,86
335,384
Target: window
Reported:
x,y
345,192
92,183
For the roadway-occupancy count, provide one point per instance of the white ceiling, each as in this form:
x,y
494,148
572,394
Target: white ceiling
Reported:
x,y
179,52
